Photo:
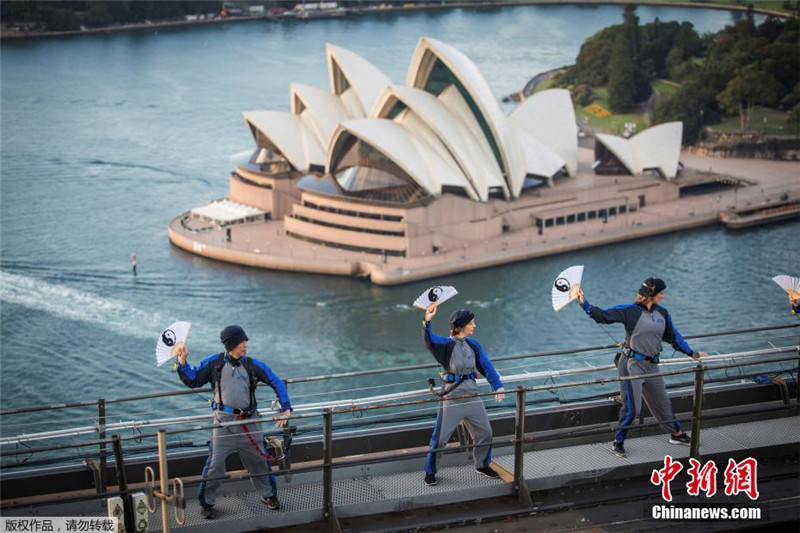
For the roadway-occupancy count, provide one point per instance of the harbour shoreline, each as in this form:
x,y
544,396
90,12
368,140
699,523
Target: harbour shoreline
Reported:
x,y
6,34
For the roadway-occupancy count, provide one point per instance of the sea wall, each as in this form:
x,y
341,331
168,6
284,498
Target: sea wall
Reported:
x,y
749,145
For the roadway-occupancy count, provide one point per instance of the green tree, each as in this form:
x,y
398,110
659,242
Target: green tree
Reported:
x,y
621,76
694,104
631,25
793,120
751,87
582,95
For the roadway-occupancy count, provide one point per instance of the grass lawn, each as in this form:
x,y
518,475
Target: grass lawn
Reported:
x,y
614,123
546,84
775,123
665,86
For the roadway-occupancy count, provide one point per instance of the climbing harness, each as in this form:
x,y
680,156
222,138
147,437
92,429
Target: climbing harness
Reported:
x,y
455,379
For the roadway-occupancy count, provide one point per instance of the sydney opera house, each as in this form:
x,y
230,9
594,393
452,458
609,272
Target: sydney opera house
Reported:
x,y
400,182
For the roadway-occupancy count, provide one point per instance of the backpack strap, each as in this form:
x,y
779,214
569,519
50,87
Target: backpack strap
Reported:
x,y
217,378
251,375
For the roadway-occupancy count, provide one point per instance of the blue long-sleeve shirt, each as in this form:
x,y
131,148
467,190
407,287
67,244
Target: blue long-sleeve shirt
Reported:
x,y
644,329
204,373
442,350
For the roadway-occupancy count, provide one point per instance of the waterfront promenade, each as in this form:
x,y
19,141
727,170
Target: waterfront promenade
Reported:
x,y
265,245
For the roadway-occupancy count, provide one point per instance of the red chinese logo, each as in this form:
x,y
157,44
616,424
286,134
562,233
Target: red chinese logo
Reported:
x,y
664,476
702,479
741,477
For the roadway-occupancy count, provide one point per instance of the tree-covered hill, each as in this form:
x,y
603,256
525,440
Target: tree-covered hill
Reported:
x,y
731,72
71,15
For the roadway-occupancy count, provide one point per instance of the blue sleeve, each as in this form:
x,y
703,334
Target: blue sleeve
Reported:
x,y
266,375
485,366
619,314
436,345
673,336
196,377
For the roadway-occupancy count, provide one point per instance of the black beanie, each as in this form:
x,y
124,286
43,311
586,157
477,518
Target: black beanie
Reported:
x,y
232,336
652,286
461,317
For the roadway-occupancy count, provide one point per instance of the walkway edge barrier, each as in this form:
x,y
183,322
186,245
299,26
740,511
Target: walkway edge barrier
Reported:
x,y
521,490
697,410
328,510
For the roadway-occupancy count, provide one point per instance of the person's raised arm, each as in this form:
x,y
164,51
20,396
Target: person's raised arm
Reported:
x,y
612,315
434,343
194,377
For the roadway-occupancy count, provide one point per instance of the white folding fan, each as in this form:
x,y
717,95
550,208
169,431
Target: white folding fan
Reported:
x,y
790,284
436,294
565,287
170,341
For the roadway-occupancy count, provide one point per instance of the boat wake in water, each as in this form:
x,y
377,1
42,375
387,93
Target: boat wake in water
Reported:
x,y
116,316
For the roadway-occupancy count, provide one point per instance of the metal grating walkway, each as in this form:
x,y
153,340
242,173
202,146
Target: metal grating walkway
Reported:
x,y
364,494
555,467
398,486
370,493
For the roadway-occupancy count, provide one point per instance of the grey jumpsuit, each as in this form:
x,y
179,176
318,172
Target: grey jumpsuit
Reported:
x,y
460,358
645,331
234,386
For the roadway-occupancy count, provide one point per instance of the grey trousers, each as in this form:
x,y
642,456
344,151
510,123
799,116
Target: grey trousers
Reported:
x,y
448,416
225,441
652,389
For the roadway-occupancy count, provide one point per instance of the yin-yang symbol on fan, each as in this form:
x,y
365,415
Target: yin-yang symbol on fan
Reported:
x,y
168,337
434,294
562,284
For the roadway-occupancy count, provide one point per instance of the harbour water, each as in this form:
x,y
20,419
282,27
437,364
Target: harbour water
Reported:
x,y
106,137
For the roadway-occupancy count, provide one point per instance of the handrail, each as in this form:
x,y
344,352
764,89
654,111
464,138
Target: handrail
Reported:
x,y
517,439
354,405
359,373
27,438
520,488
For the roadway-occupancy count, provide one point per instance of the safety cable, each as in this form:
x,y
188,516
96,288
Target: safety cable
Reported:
x,y
370,372
175,421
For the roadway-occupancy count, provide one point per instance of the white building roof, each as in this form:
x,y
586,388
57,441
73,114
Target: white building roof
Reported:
x,y
451,176
224,212
539,159
479,171
465,71
364,79
549,117
445,128
290,135
658,147
417,159
319,109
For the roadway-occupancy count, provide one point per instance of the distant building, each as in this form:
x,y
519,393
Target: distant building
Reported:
x,y
316,6
655,150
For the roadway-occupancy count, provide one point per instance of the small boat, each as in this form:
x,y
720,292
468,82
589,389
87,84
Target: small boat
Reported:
x,y
734,219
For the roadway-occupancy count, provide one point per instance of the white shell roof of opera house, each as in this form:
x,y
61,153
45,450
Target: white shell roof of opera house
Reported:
x,y
444,128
